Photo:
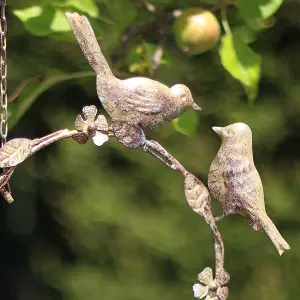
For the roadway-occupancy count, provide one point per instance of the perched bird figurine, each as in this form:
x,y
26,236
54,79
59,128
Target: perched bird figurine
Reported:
x,y
235,183
138,100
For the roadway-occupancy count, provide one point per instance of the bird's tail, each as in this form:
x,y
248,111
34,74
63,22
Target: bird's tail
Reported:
x,y
275,236
88,43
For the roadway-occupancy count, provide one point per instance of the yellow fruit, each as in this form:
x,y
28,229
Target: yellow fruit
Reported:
x,y
196,31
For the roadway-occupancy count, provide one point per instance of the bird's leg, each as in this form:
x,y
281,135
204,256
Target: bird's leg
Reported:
x,y
132,136
221,217
128,134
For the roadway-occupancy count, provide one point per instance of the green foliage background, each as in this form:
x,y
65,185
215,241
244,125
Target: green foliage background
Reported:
x,y
113,223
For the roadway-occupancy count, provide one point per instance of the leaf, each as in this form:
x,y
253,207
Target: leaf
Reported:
x,y
123,12
32,91
197,196
43,20
59,22
14,152
187,123
37,19
248,35
241,62
86,6
252,9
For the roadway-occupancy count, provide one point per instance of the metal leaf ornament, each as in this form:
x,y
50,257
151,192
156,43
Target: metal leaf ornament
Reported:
x,y
196,195
14,152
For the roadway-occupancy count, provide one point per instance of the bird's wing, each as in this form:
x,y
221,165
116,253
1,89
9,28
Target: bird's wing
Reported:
x,y
244,187
147,101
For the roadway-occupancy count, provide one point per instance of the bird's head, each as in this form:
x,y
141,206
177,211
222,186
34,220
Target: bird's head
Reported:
x,y
237,132
184,95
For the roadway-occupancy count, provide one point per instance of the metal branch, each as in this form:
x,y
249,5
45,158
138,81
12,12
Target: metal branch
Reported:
x,y
220,274
36,145
46,141
199,199
154,147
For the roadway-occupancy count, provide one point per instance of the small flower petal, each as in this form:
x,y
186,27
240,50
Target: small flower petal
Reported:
x,y
99,138
80,124
81,137
206,276
101,123
199,290
90,112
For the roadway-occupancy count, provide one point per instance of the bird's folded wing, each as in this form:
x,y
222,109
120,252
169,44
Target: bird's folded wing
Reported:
x,y
144,105
242,188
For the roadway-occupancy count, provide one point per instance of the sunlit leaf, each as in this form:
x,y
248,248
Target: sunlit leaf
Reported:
x,y
187,123
37,19
241,62
258,8
59,22
43,20
86,6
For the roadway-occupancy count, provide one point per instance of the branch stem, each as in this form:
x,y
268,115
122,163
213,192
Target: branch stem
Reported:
x,y
224,20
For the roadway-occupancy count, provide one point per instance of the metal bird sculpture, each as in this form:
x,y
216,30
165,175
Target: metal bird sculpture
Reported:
x,y
235,183
140,101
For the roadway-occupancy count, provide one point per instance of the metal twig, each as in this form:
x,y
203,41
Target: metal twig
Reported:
x,y
154,147
46,141
221,276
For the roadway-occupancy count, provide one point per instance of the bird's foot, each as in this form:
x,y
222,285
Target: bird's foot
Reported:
x,y
221,217
128,134
132,136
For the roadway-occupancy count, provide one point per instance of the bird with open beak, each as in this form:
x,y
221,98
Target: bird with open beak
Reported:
x,y
235,183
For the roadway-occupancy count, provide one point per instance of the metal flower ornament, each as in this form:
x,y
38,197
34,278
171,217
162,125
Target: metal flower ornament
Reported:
x,y
132,105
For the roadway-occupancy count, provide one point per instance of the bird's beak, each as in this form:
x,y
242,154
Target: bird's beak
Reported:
x,y
217,130
196,107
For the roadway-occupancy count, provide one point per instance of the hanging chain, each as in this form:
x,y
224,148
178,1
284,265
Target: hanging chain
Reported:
x,y
3,91
3,74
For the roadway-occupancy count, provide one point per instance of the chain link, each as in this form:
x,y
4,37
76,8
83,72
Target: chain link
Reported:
x,y
3,74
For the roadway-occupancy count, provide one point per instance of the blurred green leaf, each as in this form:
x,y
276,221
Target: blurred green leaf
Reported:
x,y
209,1
86,6
241,62
187,123
123,12
258,8
33,90
261,24
37,19
43,20
28,13
160,1
248,35
59,22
